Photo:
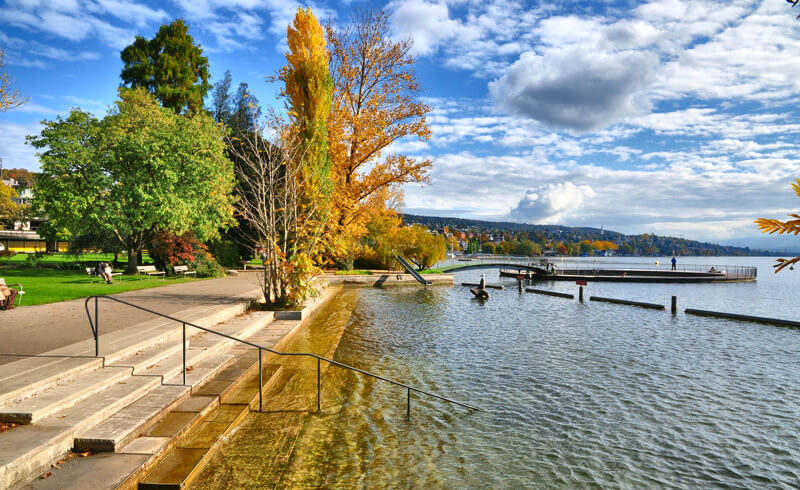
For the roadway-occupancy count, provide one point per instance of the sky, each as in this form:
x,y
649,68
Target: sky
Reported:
x,y
674,117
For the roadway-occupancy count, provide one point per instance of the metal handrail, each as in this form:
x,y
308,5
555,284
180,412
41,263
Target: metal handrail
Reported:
x,y
96,328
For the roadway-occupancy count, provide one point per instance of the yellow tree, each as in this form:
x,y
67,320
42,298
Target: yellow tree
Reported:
x,y
376,102
8,208
789,227
10,97
309,90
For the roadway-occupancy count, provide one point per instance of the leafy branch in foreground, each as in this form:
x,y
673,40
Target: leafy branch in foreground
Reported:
x,y
772,226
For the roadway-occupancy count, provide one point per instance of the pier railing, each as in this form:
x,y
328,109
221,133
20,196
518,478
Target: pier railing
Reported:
x,y
94,325
730,272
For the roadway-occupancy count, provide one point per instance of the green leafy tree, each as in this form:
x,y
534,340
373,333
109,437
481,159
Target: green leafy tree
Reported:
x,y
169,66
140,170
420,246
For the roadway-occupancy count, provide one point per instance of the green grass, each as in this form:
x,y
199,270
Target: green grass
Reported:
x,y
46,285
354,272
431,271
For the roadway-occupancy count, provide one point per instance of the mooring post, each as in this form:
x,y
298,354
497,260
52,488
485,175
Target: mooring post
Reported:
x,y
519,283
674,305
580,294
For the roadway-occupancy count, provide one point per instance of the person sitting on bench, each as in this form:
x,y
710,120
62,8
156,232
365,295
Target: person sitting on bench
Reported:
x,y
7,297
103,270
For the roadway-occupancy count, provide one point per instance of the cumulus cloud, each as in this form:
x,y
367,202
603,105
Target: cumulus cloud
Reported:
x,y
429,24
576,89
551,203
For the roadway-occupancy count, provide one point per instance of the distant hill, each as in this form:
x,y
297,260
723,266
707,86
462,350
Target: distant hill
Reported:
x,y
643,244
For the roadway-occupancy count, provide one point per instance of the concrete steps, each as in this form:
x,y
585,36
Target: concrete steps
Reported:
x,y
28,450
78,402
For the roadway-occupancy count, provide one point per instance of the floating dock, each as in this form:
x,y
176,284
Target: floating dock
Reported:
x,y
732,274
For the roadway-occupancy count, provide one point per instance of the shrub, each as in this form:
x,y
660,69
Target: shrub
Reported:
x,y
226,252
33,260
169,250
206,266
5,255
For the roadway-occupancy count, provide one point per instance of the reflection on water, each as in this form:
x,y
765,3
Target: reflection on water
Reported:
x,y
574,395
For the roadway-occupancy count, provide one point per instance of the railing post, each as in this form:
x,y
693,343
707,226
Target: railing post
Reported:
x,y
184,353
96,329
260,381
319,385
408,404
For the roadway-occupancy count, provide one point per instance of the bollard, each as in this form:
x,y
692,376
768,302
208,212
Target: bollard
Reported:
x,y
674,305
519,282
580,294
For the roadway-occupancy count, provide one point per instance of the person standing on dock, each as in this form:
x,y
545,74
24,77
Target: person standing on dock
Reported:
x,y
674,263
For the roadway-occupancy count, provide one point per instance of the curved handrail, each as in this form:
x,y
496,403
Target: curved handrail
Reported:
x,y
95,331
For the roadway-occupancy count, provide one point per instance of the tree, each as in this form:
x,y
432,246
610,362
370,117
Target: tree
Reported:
x,y
221,103
309,90
140,170
169,66
246,111
789,227
287,232
8,208
420,246
10,97
376,102
488,248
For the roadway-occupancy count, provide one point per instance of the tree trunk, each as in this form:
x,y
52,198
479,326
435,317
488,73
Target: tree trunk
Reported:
x,y
133,260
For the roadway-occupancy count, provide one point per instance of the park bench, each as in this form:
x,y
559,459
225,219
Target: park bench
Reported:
x,y
16,286
149,270
90,271
183,270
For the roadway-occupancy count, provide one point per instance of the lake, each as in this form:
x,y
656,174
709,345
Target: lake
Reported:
x,y
573,395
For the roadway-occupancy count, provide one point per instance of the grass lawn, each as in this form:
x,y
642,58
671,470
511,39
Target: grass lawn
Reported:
x,y
47,285
62,259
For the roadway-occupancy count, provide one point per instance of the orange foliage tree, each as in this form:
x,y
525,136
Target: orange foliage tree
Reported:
x,y
780,227
376,102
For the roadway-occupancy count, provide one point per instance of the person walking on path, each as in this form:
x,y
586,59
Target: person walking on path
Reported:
x,y
674,263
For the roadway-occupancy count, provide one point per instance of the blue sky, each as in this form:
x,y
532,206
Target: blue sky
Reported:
x,y
672,116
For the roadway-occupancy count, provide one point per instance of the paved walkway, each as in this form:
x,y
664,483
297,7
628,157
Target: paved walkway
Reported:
x,y
36,329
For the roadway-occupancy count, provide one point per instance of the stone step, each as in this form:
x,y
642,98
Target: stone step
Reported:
x,y
34,407
122,427
26,451
32,374
148,356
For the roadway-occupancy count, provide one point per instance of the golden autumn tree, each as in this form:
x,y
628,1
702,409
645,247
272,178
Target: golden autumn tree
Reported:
x,y
376,102
10,97
309,90
780,227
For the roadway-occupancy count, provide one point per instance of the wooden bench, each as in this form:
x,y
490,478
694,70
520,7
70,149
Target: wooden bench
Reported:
x,y
90,271
183,270
149,270
16,286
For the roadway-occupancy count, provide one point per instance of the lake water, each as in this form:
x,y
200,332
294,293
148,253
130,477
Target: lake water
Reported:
x,y
573,395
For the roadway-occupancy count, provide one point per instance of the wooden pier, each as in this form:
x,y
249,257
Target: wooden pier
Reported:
x,y
733,274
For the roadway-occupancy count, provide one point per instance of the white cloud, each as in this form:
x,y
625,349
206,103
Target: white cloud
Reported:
x,y
429,24
551,203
